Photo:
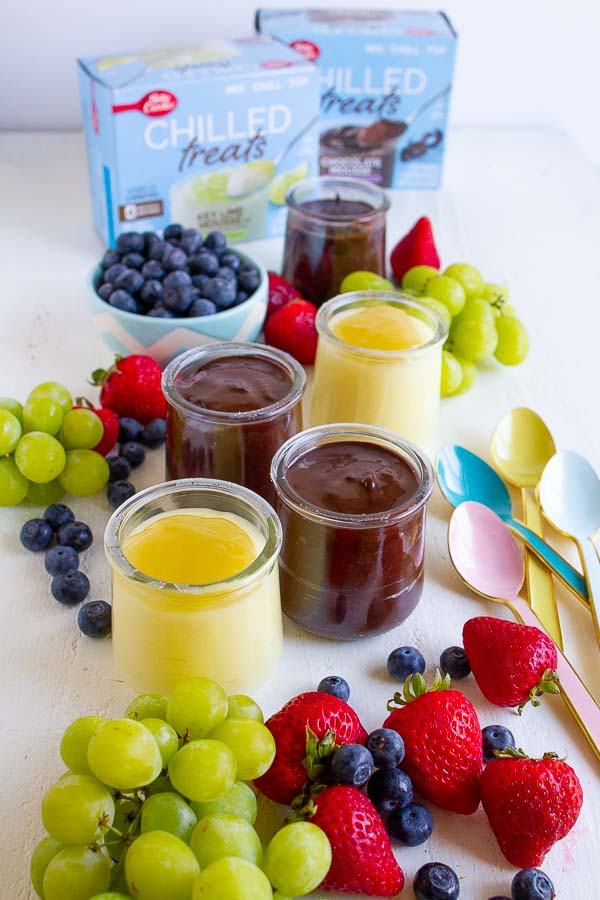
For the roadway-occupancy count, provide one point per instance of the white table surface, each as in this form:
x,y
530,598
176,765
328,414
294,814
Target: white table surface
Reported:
x,y
523,205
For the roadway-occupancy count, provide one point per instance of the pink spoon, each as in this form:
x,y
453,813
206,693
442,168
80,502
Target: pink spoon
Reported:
x,y
488,559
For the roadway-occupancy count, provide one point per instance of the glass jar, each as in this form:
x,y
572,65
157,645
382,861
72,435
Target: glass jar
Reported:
x,y
394,389
347,575
334,226
230,631
234,445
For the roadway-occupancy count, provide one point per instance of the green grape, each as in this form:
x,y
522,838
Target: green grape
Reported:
x,y
42,414
126,814
81,430
475,339
45,851
469,374
232,878
251,743
202,770
506,309
77,809
147,706
10,432
13,485
118,882
196,706
160,785
124,754
496,294
168,812
447,291
513,341
451,374
298,858
76,873
476,308
13,406
74,743
239,800
86,472
54,391
467,276
39,457
242,707
417,278
111,895
225,835
45,494
437,307
165,737
159,866
365,281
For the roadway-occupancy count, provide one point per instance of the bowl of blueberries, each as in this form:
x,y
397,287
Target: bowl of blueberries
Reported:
x,y
162,295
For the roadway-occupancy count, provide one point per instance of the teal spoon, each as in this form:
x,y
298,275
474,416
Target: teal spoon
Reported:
x,y
464,476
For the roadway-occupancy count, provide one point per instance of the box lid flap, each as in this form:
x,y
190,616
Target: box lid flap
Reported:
x,y
279,22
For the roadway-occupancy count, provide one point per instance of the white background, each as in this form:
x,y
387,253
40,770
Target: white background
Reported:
x,y
520,62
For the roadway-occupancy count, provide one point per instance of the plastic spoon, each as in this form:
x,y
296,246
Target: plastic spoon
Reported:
x,y
570,498
464,476
521,447
488,559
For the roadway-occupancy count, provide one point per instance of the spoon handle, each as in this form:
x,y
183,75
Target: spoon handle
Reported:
x,y
591,568
540,586
567,574
578,699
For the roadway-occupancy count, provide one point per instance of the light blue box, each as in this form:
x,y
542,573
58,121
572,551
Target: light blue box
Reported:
x,y
386,78
210,136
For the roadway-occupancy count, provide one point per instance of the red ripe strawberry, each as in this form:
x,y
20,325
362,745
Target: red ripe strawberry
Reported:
x,y
318,712
530,803
110,423
132,387
292,328
512,663
280,293
362,859
442,738
417,248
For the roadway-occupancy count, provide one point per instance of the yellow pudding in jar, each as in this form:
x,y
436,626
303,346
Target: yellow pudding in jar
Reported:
x,y
381,327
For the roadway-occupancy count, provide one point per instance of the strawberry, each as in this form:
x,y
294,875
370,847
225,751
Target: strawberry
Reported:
x,y
417,248
110,423
512,663
442,737
132,387
362,859
292,328
312,714
280,293
530,803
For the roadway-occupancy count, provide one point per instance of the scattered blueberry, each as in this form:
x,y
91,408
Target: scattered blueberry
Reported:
x,y
174,258
173,231
61,559
178,299
122,300
436,881
118,492
58,514
351,764
105,290
119,467
36,534
110,258
191,241
95,619
130,280
411,826
71,587
249,278
454,662
221,291
496,737
129,429
231,260
157,250
389,789
336,686
386,747
133,260
178,278
151,292
130,242
154,433
205,263
405,661
199,280
153,269
134,453
532,884
225,272
241,297
215,240
75,534
202,307
113,272
159,312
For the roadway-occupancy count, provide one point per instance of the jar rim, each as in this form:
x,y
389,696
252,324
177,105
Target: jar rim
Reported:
x,y
296,446
371,193
209,352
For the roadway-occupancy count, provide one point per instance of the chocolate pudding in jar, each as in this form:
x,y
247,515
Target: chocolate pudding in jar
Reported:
x,y
367,151
334,226
352,503
229,409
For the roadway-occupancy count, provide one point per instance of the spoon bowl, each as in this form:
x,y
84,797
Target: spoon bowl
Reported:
x,y
483,551
521,447
463,475
570,495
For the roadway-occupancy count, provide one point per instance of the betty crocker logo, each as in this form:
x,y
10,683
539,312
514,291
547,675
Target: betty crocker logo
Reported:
x,y
308,50
154,104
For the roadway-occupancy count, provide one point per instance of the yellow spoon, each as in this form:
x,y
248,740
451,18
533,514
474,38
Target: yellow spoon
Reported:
x,y
521,447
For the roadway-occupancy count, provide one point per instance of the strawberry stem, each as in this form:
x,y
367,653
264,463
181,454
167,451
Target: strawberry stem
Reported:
x,y
100,376
414,687
548,684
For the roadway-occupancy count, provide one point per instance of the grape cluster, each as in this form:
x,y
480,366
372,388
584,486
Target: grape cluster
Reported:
x,y
155,805
481,321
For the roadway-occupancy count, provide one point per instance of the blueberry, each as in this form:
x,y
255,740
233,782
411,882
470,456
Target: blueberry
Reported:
x,y
36,534
75,534
336,686
105,290
158,250
352,764
153,269
240,297
178,299
454,662
405,661
532,884
130,280
154,433
113,272
436,881
221,291
70,587
119,467
202,307
496,737
231,260
178,278
225,272
205,263
150,239
386,747
389,789
118,492
173,231
151,293
174,258
411,826
95,619
129,429
159,312
123,300
58,514
110,258
199,280
61,559
134,453
191,241
215,240
249,279
130,242
133,260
